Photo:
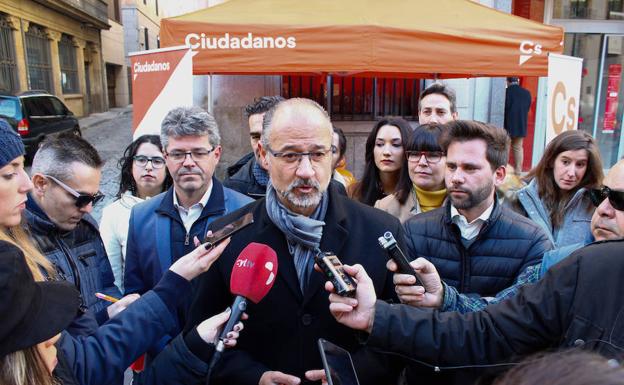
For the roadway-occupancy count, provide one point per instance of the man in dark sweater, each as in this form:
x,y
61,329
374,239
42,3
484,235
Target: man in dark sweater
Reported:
x,y
517,105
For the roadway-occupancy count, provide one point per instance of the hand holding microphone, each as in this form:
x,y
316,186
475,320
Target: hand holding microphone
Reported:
x,y
359,312
253,275
430,294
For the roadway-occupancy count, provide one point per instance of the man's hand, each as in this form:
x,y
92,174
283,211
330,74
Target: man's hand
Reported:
x,y
210,329
278,378
199,260
121,305
359,312
431,295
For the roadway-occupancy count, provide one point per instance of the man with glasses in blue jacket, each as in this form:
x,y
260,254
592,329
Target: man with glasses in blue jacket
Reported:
x,y
163,228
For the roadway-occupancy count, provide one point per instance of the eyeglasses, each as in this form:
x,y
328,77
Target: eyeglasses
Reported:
x,y
197,155
616,198
82,199
430,156
292,158
142,160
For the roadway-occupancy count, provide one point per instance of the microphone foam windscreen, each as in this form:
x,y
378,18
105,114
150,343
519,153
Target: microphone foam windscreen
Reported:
x,y
254,272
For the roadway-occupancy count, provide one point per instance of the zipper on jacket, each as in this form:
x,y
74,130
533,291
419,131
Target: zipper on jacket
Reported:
x,y
72,263
186,239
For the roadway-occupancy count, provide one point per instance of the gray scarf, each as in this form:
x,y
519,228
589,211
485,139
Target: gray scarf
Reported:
x,y
303,234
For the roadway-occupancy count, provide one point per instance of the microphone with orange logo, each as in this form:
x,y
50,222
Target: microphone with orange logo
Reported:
x,y
253,275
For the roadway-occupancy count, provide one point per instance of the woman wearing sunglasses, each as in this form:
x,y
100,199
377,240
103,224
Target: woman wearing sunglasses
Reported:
x,y
35,313
556,197
143,175
421,184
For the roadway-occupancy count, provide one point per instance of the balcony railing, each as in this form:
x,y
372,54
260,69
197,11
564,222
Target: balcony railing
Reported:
x,y
88,11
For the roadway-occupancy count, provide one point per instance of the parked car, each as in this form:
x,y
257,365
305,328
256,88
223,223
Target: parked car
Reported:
x,y
35,115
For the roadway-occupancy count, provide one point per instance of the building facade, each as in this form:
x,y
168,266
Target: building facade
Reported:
x,y
114,58
594,31
55,46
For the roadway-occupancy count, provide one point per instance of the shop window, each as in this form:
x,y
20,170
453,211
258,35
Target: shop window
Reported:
x,y
146,37
584,9
357,98
38,59
69,67
8,64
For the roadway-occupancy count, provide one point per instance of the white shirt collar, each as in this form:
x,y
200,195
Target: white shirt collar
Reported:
x,y
470,230
190,215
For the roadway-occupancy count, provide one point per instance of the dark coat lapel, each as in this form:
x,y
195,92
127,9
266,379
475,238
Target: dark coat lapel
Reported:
x,y
334,238
269,234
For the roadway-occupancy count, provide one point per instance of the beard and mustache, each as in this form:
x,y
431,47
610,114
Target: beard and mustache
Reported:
x,y
306,200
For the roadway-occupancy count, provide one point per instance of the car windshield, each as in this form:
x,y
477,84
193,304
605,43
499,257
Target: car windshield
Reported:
x,y
9,107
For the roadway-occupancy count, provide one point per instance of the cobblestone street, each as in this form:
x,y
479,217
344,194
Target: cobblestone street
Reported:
x,y
110,135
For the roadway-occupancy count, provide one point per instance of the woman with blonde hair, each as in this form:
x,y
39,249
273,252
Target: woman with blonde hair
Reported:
x,y
35,313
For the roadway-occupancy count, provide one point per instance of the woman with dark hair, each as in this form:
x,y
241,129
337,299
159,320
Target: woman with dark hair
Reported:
x,y
421,184
556,197
384,160
143,175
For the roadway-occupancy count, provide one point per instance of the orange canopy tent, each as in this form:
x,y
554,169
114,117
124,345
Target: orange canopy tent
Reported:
x,y
394,38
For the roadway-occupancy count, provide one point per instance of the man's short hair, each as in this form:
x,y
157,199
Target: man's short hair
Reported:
x,y
56,154
189,121
513,79
268,117
262,105
442,89
496,139
342,141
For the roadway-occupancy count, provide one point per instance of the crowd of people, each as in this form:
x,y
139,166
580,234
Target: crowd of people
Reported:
x,y
500,274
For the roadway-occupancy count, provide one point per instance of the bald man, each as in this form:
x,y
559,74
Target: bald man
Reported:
x,y
301,212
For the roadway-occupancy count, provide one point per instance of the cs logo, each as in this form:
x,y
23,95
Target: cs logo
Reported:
x,y
527,50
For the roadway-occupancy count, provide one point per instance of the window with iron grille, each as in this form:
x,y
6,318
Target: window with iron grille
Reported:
x,y
8,65
357,98
38,59
69,66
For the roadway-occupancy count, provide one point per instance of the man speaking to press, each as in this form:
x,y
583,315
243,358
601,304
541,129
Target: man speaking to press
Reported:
x,y
300,214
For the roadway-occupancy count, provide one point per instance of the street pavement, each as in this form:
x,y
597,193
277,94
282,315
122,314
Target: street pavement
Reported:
x,y
110,133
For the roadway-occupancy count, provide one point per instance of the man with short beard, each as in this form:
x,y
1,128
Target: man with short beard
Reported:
x,y
477,245
301,214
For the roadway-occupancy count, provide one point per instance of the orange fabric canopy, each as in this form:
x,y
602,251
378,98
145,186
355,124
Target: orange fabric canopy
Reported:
x,y
398,38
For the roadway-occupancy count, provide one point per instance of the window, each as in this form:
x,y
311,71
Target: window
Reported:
x,y
57,106
38,106
583,9
113,10
357,98
8,66
38,59
146,37
69,67
156,3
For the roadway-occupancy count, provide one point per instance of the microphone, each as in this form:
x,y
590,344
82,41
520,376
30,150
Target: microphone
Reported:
x,y
388,243
253,275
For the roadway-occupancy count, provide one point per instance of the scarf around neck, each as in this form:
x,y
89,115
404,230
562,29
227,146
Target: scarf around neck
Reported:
x,y
303,234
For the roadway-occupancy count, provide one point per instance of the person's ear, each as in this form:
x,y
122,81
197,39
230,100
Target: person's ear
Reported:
x,y
217,153
499,175
264,161
455,115
40,184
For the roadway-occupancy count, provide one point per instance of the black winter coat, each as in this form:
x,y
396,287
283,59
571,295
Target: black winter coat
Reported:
x,y
507,244
282,330
517,105
240,178
578,303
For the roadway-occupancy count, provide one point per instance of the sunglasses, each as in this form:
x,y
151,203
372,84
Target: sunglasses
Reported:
x,y
616,198
82,199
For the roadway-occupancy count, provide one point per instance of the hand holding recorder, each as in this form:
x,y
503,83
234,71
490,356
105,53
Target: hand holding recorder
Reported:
x,y
430,294
359,312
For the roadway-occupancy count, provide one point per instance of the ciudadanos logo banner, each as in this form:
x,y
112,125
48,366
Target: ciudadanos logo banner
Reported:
x,y
162,79
202,41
